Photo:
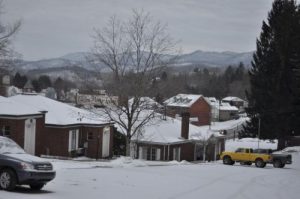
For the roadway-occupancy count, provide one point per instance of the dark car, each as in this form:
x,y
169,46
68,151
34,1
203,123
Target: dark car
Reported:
x,y
279,160
19,168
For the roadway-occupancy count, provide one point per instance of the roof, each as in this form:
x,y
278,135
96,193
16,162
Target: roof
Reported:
x,y
182,100
169,131
11,108
234,99
223,106
227,107
59,113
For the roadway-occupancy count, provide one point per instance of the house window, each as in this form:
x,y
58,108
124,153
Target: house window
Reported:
x,y
6,131
90,136
73,139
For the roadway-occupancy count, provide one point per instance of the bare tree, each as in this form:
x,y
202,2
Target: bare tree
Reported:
x,y
6,34
135,51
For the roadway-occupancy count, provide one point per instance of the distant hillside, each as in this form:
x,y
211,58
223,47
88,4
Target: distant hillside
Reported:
x,y
202,58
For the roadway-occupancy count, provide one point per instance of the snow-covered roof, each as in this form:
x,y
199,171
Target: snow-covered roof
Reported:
x,y
146,101
12,108
223,106
182,100
59,113
164,131
169,130
234,99
227,107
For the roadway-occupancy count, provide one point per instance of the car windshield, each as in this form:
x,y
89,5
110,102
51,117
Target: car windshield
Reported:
x,y
9,146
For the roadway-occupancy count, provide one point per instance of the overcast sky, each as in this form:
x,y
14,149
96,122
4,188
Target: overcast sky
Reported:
x,y
52,28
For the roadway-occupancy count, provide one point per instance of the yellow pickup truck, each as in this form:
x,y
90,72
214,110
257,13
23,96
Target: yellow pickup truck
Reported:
x,y
246,157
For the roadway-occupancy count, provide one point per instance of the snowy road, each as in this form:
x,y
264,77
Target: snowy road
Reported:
x,y
85,181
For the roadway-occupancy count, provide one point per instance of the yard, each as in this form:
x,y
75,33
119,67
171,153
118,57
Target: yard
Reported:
x,y
124,178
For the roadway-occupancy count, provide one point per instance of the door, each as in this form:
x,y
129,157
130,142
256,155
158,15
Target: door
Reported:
x,y
29,136
105,142
176,153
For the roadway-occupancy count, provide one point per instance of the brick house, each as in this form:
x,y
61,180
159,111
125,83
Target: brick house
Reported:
x,y
67,130
196,105
177,139
23,124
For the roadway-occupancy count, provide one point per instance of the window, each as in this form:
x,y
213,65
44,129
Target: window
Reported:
x,y
90,136
176,153
149,153
6,131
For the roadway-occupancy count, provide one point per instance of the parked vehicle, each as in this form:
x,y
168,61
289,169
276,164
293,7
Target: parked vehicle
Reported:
x,y
20,168
279,160
246,157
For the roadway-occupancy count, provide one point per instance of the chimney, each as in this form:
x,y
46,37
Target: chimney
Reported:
x,y
185,123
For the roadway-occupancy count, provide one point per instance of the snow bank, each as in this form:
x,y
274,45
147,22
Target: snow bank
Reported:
x,y
232,145
121,162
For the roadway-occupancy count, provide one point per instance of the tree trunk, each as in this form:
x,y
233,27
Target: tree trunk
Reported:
x,y
127,147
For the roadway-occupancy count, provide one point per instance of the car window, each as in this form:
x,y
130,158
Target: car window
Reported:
x,y
9,146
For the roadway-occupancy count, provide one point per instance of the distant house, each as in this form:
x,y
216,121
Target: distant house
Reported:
x,y
221,111
28,87
22,123
196,105
69,131
237,102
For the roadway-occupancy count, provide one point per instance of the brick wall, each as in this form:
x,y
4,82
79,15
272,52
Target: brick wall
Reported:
x,y
201,109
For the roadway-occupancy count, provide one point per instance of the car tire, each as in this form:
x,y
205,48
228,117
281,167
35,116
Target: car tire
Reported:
x,y
227,160
36,187
8,180
260,163
277,163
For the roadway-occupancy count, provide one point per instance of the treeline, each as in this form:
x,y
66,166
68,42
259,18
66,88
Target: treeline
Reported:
x,y
234,81
42,82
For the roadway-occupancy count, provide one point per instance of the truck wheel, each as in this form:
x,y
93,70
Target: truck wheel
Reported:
x,y
227,160
277,163
260,163
36,186
282,165
8,180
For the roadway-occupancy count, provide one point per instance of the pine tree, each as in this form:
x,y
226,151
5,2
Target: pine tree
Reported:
x,y
273,93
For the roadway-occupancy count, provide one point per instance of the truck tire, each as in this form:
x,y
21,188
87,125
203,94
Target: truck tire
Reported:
x,y
8,180
227,160
282,165
277,163
37,187
260,163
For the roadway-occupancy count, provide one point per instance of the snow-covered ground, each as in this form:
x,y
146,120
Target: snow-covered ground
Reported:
x,y
135,179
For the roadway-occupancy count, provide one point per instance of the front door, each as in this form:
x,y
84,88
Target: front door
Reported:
x,y
105,142
29,136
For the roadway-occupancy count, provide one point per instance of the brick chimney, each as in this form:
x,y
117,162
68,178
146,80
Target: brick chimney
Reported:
x,y
185,123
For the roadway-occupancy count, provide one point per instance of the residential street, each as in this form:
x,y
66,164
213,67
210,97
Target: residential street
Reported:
x,y
136,179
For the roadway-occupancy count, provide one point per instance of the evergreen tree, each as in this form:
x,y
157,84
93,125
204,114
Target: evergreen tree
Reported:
x,y
273,93
44,81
